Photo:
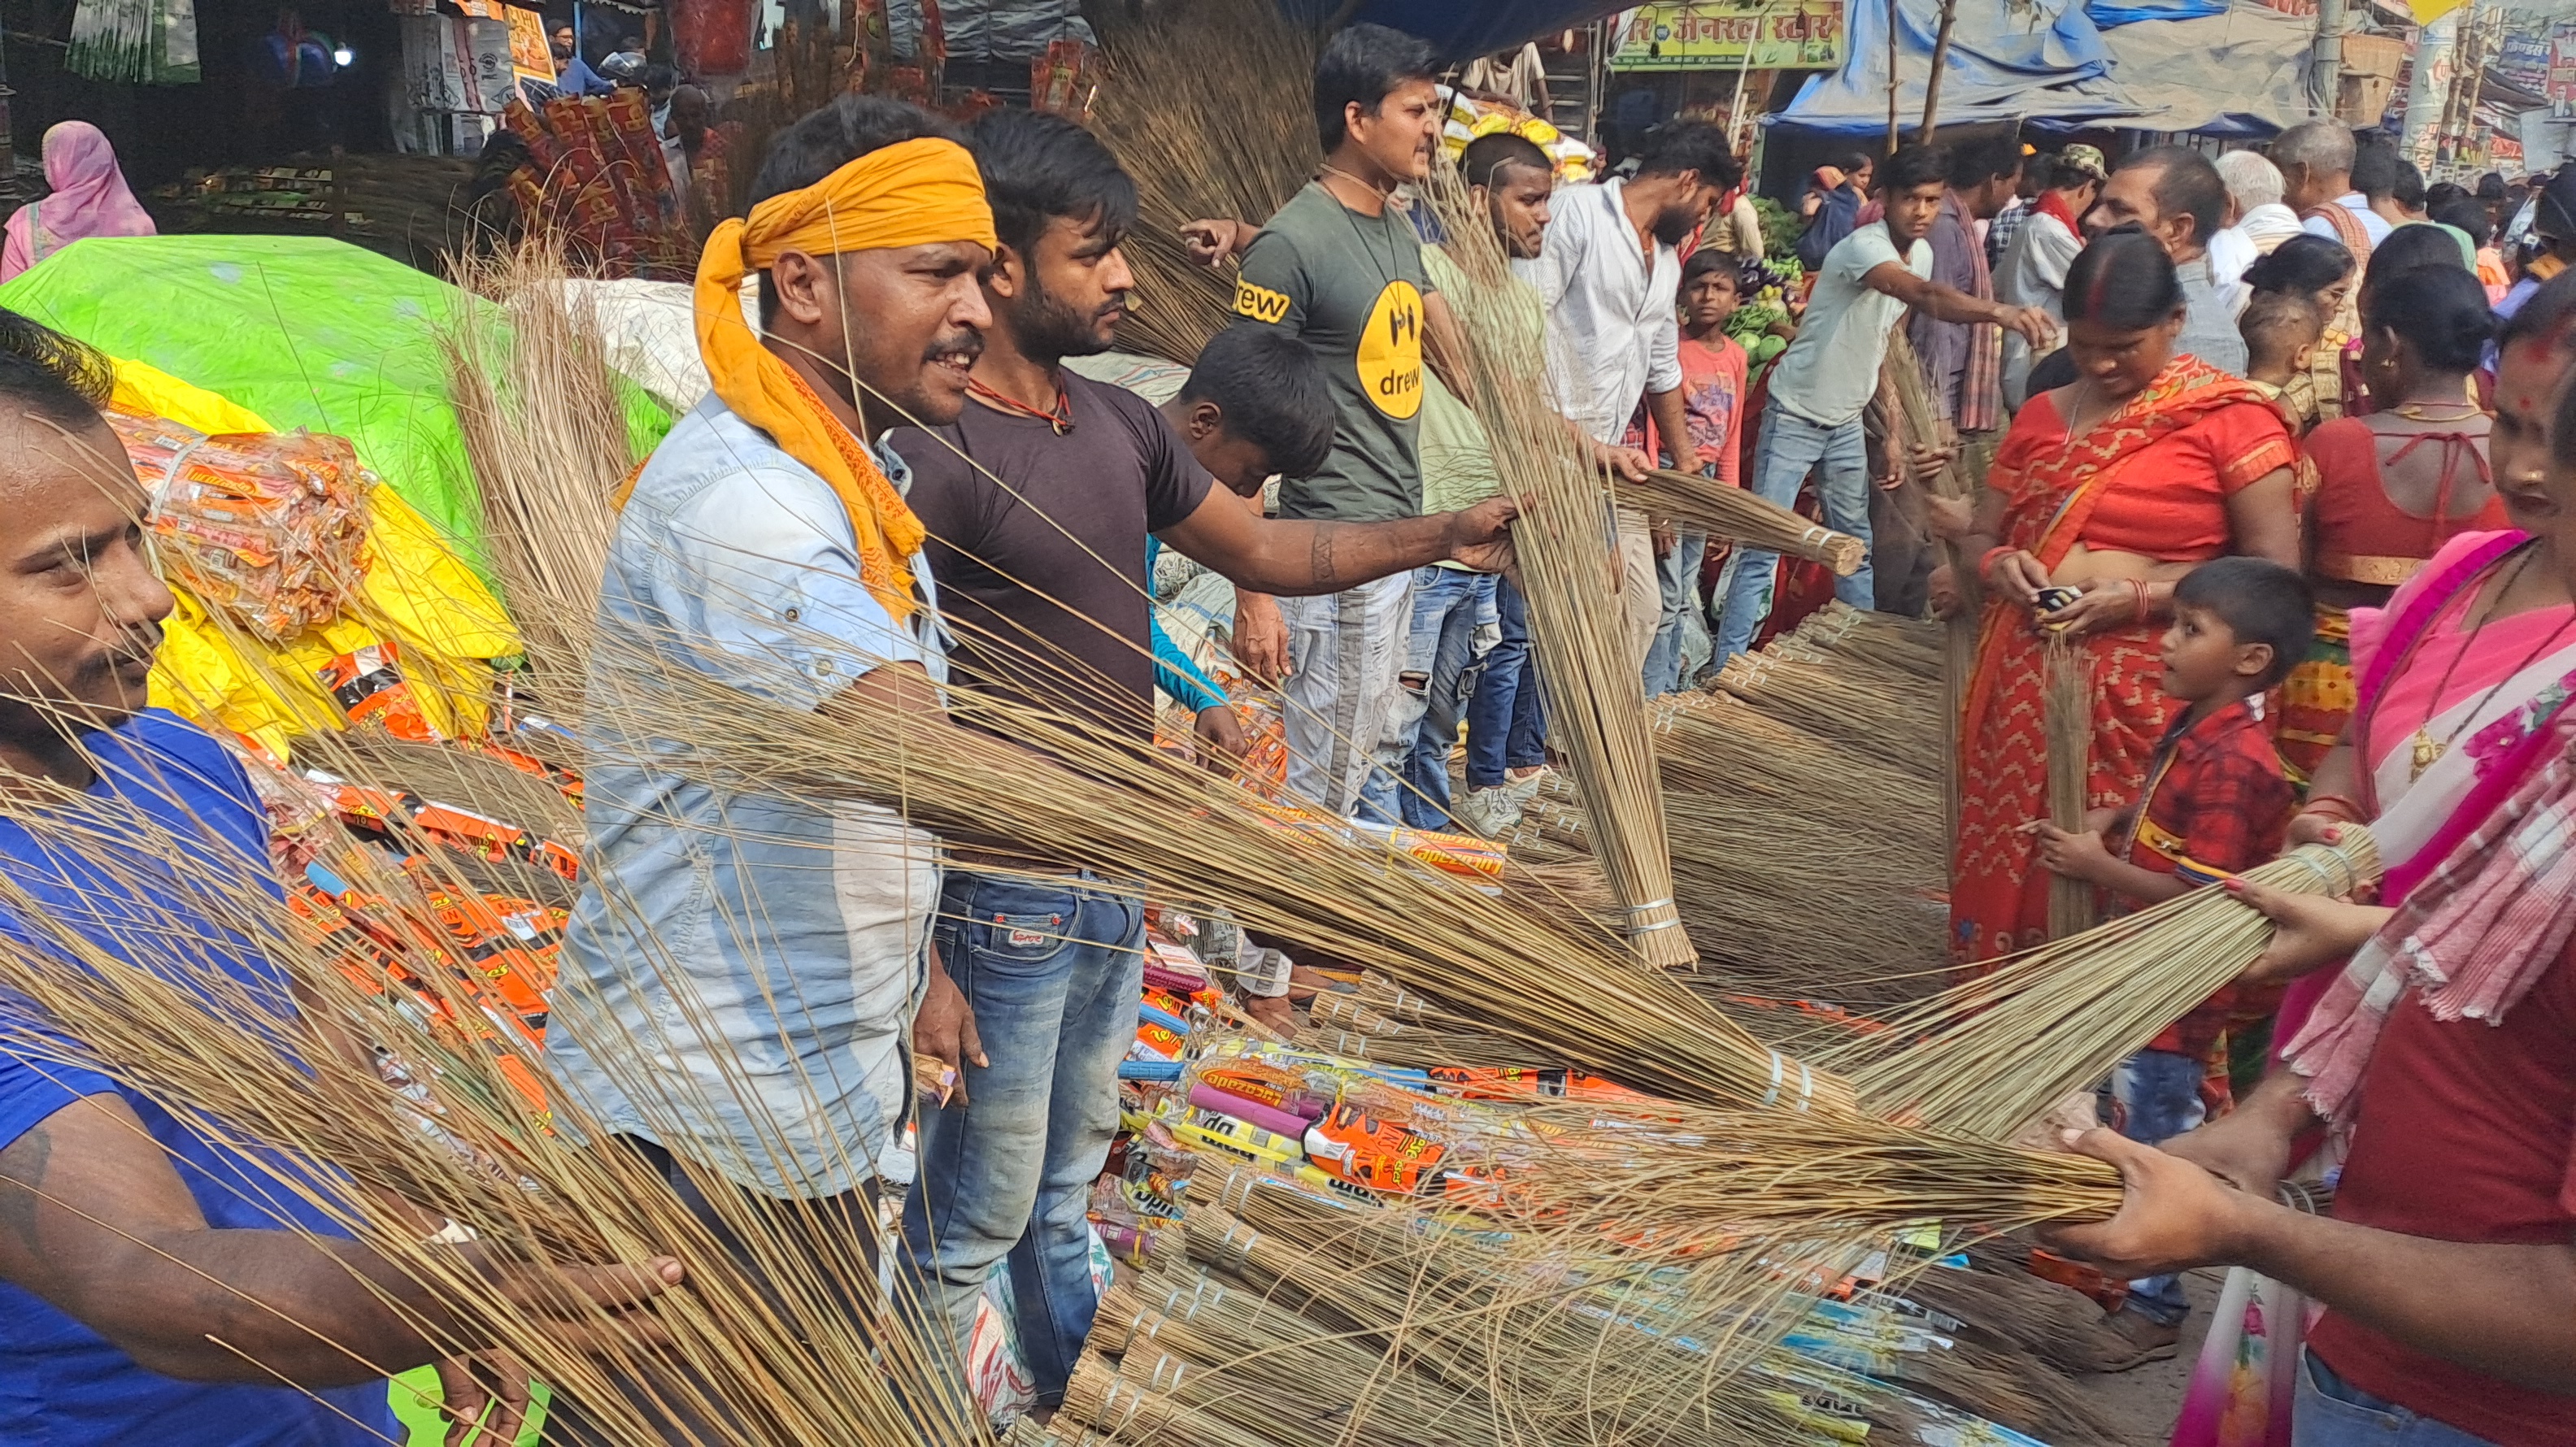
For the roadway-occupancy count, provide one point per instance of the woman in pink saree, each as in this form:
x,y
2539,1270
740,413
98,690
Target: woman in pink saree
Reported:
x,y
89,198
2465,683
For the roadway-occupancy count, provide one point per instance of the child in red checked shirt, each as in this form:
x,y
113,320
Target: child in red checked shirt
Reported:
x,y
2216,803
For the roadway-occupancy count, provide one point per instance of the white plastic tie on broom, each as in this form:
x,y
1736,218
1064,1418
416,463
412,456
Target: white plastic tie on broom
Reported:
x,y
1649,907
1251,1238
1779,1072
1175,1366
1236,1193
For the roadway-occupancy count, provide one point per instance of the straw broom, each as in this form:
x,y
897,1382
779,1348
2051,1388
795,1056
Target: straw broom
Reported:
x,y
788,1363
1743,517
1849,712
1595,691
1986,1056
2066,685
1920,425
1207,106
532,365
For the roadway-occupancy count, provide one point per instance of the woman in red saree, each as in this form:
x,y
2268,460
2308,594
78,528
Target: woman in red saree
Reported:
x,y
2113,487
2385,491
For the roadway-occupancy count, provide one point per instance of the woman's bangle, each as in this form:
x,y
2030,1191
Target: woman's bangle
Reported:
x,y
2333,806
1986,560
2138,586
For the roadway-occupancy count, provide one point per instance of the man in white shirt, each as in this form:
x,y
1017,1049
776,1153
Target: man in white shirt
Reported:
x,y
1611,277
2254,191
2315,159
2034,268
1824,382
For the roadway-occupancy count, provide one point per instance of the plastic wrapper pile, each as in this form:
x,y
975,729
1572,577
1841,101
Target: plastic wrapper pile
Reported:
x,y
268,527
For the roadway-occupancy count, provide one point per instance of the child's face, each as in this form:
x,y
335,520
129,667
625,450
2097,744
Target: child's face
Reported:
x,y
1711,299
2204,661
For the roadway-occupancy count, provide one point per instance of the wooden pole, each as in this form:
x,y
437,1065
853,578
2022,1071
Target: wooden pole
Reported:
x,y
1940,58
1891,77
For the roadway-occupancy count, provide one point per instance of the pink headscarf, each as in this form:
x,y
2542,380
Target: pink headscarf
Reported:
x,y
90,198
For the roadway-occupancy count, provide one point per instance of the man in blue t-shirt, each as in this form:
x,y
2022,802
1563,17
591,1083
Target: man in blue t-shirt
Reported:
x,y
155,1286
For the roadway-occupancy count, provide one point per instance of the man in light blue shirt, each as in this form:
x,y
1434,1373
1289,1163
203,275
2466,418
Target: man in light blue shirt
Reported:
x,y
740,977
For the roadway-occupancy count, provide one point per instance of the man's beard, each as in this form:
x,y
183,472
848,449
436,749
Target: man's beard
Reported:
x,y
1049,329
1674,224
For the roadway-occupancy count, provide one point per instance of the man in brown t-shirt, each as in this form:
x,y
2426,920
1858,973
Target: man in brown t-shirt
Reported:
x,y
1038,501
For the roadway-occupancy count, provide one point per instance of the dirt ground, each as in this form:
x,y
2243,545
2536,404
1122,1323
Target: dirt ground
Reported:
x,y
2142,1402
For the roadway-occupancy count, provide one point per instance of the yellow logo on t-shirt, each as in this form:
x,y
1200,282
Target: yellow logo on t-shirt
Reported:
x,y
1259,302
1390,354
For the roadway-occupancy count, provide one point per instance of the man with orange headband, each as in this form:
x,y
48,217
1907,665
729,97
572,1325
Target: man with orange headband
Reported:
x,y
739,975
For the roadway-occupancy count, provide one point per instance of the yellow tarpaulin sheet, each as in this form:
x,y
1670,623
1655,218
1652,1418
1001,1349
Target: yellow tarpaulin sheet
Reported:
x,y
417,594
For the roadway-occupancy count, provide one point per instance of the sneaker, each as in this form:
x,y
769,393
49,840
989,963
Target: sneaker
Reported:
x,y
1491,813
1524,788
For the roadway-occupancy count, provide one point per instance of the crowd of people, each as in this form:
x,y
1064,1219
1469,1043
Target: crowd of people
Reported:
x,y
2281,445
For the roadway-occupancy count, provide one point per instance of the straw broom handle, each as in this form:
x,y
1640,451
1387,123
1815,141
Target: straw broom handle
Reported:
x,y
1744,517
2067,690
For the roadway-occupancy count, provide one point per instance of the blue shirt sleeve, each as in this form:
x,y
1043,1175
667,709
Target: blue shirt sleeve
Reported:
x,y
1174,673
761,575
34,1085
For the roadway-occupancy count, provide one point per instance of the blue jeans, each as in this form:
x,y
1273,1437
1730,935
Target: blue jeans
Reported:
x,y
1440,666
1437,669
2331,1412
1052,969
1679,575
2158,1093
1791,447
1506,719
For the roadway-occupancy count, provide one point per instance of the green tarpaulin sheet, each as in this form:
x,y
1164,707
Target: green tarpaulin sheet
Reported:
x,y
306,331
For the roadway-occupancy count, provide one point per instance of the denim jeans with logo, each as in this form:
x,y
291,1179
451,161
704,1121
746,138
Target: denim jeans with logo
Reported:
x,y
1051,967
1506,719
1791,447
2331,1412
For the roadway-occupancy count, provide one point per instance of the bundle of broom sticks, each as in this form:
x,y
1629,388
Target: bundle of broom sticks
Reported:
x,y
1986,1056
1206,105
758,1347
1594,686
1743,517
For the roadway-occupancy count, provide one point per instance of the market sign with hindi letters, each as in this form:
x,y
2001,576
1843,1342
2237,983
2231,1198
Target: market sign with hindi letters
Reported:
x,y
1764,34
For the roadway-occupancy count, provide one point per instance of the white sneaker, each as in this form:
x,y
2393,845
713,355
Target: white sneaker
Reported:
x,y
1492,812
1524,790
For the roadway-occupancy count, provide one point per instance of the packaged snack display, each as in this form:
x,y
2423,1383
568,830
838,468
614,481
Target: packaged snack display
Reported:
x,y
269,528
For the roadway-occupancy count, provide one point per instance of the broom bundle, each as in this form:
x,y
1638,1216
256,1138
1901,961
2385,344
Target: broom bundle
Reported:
x,y
1794,903
1854,711
1595,691
2066,693
1742,517
1207,105
1986,1056
545,427
1906,651
768,1341
1919,424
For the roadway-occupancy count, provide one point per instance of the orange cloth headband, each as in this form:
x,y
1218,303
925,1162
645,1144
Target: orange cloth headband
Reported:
x,y
912,193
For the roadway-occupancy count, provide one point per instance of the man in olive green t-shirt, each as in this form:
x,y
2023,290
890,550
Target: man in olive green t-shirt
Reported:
x,y
1341,269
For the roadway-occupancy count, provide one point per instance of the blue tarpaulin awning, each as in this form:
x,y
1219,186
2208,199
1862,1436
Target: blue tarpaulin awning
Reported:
x,y
2162,65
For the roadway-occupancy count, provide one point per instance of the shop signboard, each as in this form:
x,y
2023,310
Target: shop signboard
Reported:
x,y
2562,73
1708,34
